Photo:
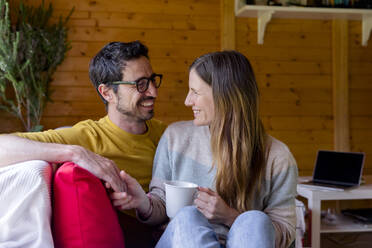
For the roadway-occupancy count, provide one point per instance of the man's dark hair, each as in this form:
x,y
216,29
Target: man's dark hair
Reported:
x,y
108,65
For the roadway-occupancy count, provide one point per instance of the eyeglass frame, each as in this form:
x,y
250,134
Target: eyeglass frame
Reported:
x,y
151,78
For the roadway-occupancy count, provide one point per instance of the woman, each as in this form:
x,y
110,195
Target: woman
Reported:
x,y
247,178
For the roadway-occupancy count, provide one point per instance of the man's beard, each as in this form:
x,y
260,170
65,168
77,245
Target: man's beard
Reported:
x,y
135,114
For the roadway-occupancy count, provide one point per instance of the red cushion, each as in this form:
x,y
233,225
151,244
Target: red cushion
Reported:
x,y
83,215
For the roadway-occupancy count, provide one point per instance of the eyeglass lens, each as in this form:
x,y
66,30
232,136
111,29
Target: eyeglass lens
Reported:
x,y
143,84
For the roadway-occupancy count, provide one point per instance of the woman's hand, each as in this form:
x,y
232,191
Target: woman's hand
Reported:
x,y
135,197
214,208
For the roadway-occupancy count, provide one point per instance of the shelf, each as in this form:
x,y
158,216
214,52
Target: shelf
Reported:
x,y
343,224
361,192
340,224
265,13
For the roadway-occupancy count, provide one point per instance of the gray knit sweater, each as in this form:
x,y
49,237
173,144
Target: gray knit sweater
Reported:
x,y
184,154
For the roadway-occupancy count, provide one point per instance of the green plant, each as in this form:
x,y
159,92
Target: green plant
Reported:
x,y
30,50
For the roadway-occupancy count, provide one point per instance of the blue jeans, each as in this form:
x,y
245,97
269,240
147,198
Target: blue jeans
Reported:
x,y
189,228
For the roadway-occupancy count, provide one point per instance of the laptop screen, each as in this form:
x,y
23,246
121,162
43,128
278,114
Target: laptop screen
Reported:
x,y
343,168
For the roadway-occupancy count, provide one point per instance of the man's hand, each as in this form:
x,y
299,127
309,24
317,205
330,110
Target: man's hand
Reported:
x,y
99,166
214,208
135,197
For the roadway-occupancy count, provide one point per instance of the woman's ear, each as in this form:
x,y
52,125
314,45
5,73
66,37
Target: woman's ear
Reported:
x,y
106,92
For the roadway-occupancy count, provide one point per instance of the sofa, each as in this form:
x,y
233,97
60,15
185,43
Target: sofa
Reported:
x,y
25,205
83,216
68,208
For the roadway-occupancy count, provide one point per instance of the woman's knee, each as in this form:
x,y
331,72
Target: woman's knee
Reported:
x,y
255,218
189,228
188,213
185,220
254,228
189,217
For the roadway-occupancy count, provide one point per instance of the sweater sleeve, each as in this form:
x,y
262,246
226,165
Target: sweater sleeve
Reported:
x,y
161,172
280,205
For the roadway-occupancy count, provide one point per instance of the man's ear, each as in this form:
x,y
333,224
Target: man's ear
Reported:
x,y
106,92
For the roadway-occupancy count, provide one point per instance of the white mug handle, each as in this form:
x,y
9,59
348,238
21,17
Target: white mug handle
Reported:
x,y
195,195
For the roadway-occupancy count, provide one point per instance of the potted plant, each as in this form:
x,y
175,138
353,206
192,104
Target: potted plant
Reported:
x,y
31,48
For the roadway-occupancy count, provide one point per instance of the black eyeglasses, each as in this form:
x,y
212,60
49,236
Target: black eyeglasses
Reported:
x,y
142,84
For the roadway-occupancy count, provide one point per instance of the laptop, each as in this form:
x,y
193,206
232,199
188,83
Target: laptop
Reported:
x,y
362,214
336,170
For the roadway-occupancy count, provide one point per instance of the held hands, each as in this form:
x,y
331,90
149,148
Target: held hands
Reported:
x,y
214,208
134,197
99,166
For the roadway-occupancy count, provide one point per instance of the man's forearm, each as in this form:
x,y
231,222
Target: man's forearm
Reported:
x,y
14,149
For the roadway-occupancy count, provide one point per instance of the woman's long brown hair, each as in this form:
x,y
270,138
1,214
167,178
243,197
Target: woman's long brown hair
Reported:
x,y
238,139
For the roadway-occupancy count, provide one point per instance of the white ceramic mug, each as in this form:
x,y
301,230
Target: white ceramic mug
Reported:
x,y
179,194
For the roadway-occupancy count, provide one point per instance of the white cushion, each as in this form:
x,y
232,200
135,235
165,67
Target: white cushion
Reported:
x,y
25,205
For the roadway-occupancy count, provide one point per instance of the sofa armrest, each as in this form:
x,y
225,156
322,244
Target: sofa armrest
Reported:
x,y
25,205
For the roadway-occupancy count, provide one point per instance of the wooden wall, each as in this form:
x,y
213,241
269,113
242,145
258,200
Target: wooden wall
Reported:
x,y
360,80
293,68
176,32
294,72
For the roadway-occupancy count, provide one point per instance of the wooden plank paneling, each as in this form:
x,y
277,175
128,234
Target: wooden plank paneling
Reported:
x,y
76,15
360,95
362,136
360,109
298,123
89,49
175,31
340,85
288,81
287,53
52,122
294,72
296,94
170,64
77,94
310,150
227,25
179,65
359,54
74,108
244,25
9,123
293,68
62,78
155,36
361,68
172,7
296,108
304,137
154,21
360,81
361,122
287,39
355,36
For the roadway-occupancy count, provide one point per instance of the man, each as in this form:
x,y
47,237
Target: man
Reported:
x,y
125,139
